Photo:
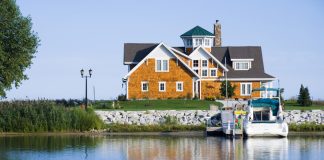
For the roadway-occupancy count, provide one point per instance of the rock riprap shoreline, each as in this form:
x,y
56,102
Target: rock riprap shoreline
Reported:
x,y
195,117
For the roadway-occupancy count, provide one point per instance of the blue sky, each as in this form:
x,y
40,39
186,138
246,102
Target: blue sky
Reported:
x,y
90,34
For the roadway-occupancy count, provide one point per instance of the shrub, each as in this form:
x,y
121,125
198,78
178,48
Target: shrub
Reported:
x,y
121,97
230,89
170,120
306,127
210,98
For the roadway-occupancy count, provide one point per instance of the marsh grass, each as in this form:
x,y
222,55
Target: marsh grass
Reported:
x,y
45,116
306,127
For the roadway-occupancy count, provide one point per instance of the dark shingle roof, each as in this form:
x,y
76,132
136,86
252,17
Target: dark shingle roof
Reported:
x,y
197,31
244,52
135,52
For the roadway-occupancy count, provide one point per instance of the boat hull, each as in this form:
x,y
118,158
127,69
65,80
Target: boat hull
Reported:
x,y
266,129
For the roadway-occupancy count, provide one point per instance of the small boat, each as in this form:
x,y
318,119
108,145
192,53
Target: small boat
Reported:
x,y
265,115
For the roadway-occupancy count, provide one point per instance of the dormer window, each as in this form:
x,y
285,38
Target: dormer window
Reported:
x,y
242,64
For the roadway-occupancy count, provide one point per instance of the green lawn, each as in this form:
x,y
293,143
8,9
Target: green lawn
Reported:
x,y
293,105
156,105
296,107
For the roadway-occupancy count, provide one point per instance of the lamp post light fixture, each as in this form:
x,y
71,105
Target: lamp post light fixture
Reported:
x,y
86,85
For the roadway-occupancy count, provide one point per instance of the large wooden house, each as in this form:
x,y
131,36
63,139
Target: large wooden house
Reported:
x,y
159,71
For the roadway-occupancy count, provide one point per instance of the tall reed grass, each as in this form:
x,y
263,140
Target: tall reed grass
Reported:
x,y
45,116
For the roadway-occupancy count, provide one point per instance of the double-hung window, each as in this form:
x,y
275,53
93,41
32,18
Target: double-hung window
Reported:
x,y
207,42
246,89
144,86
204,72
162,65
162,86
213,72
179,86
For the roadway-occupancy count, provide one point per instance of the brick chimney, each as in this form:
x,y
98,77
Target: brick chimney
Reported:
x,y
218,34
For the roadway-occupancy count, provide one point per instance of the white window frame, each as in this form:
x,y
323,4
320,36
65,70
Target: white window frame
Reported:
x,y
202,72
249,65
213,69
162,69
207,42
245,89
177,89
204,60
160,86
142,83
193,66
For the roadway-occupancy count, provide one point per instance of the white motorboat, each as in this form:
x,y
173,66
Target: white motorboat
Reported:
x,y
265,116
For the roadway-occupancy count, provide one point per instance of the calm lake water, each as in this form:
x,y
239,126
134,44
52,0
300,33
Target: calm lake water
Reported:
x,y
156,147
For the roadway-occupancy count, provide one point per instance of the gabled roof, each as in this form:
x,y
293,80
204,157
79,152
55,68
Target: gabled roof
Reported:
x,y
210,55
159,45
134,53
197,31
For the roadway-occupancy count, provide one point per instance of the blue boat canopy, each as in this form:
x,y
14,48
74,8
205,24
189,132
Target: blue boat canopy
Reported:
x,y
266,102
266,89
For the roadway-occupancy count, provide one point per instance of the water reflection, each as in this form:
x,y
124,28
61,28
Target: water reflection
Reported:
x,y
155,147
199,148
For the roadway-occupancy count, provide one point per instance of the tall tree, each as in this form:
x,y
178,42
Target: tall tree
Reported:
x,y
300,99
18,44
304,97
308,100
230,89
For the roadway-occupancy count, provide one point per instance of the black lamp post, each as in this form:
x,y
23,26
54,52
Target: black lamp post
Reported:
x,y
86,85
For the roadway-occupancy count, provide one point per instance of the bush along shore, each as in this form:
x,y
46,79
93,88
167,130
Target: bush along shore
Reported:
x,y
46,116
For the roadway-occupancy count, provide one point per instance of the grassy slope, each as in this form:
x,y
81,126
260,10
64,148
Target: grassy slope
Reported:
x,y
161,105
295,107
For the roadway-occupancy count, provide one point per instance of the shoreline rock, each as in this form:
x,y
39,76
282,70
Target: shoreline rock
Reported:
x,y
195,117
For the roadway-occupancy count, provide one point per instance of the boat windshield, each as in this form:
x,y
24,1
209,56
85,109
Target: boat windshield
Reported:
x,y
261,115
267,102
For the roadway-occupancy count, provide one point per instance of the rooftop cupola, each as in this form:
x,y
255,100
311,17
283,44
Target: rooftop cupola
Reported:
x,y
196,37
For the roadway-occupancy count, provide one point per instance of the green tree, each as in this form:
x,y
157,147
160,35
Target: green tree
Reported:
x,y
304,97
230,89
18,44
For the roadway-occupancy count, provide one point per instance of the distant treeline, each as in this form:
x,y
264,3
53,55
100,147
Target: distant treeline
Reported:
x,y
46,116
